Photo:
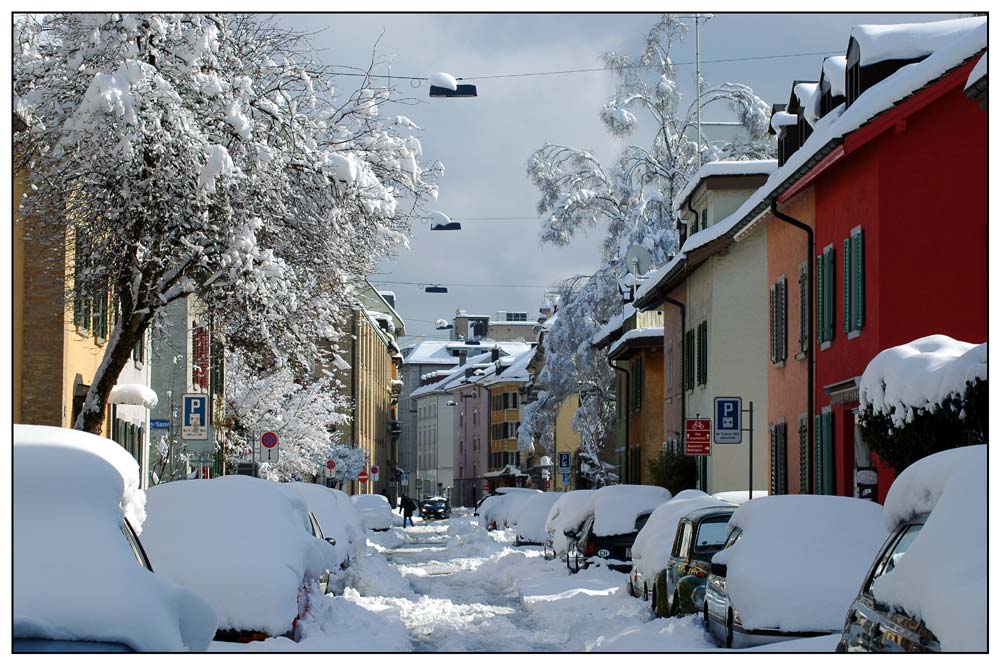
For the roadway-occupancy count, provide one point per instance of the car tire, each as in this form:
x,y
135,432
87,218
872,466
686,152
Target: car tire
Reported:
x,y
675,606
645,591
653,605
729,629
704,615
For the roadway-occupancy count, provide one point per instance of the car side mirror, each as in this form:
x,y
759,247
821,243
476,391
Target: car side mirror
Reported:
x,y
719,569
332,541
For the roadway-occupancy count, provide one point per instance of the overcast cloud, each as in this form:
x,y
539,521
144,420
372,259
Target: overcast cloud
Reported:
x,y
485,142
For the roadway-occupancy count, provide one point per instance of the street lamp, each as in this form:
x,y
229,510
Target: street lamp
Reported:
x,y
434,288
446,85
441,222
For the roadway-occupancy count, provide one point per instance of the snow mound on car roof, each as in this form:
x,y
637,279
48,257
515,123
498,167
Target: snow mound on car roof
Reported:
x,y
502,508
651,551
942,577
375,511
801,560
617,507
75,575
332,518
531,515
242,543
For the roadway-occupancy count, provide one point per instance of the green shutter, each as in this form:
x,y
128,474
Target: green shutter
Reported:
x,y
773,431
820,301
848,321
803,455
783,320
77,295
859,262
830,293
819,454
773,329
803,308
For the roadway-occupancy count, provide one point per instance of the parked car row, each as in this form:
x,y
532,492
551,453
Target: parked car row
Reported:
x,y
233,558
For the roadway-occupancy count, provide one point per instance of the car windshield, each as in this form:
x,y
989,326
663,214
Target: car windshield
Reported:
x,y
711,535
436,503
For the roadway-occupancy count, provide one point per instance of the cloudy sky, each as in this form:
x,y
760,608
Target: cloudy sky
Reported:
x,y
485,142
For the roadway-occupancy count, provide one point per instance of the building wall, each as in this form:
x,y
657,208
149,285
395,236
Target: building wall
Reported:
x,y
646,424
673,365
788,385
513,331
498,416
17,297
471,424
373,373
566,441
410,374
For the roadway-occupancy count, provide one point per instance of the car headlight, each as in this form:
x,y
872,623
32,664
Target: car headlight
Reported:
x,y
698,597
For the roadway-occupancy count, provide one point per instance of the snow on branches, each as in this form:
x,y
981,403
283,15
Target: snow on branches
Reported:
x,y
208,154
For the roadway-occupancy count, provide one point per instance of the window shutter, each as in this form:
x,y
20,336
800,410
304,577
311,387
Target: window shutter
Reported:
x,y
803,308
830,293
859,271
820,301
819,454
774,356
803,456
77,295
783,458
773,431
782,320
848,321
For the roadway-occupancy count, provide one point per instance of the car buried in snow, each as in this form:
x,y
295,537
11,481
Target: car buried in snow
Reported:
x,y
926,589
680,588
376,513
435,508
788,567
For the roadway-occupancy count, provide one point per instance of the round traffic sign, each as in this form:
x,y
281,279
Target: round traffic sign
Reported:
x,y
374,470
269,439
363,476
331,464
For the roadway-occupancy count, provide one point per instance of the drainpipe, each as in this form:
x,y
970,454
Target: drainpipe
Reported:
x,y
628,386
811,356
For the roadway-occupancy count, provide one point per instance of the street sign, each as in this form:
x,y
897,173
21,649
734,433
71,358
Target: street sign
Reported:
x,y
268,447
331,468
698,439
159,424
195,427
374,473
566,478
564,462
363,476
406,477
486,487
728,420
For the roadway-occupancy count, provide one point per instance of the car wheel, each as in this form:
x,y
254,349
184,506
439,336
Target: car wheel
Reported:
x,y
705,613
729,629
675,606
653,605
645,591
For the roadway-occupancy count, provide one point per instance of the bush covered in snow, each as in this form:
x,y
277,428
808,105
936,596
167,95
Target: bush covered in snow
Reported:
x,y
924,397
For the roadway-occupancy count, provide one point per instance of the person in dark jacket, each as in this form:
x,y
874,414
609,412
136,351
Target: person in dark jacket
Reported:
x,y
407,505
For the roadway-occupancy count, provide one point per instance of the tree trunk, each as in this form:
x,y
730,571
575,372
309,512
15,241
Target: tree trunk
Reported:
x,y
116,353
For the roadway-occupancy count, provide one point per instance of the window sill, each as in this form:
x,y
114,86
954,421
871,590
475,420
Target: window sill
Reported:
x,y
801,355
825,345
779,365
854,334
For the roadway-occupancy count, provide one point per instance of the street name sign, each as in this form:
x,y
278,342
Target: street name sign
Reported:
x,y
159,424
728,420
698,439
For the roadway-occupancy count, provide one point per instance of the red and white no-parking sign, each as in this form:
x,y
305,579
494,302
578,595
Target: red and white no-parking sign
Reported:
x,y
331,468
363,476
268,447
374,473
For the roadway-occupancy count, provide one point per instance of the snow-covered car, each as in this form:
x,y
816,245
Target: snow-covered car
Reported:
x,y
739,497
244,544
483,500
790,567
530,518
564,521
498,511
435,508
618,513
376,513
659,542
81,578
339,522
926,590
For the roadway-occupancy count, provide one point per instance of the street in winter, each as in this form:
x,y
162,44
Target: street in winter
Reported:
x,y
495,332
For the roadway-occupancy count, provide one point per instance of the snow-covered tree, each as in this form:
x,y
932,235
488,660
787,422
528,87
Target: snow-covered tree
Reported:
x,y
302,413
208,154
634,197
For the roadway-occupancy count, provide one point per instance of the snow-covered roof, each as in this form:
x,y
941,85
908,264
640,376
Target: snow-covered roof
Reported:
x,y
920,375
906,41
808,581
829,129
978,72
632,335
726,167
834,73
517,371
434,352
783,119
612,326
805,92
451,377
76,576
942,577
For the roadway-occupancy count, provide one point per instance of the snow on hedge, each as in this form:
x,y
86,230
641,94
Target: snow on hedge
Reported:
x,y
135,394
568,512
242,543
75,575
942,577
801,560
920,375
375,511
531,515
652,547
617,507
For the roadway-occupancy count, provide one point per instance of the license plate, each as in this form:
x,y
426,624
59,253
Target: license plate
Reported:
x,y
628,552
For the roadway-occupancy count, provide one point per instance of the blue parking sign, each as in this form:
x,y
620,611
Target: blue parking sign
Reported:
x,y
728,426
564,462
195,424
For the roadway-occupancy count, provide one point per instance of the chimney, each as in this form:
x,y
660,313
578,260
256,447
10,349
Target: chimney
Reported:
x,y
495,354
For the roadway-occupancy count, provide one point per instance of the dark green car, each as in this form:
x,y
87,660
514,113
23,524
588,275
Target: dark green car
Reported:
x,y
680,588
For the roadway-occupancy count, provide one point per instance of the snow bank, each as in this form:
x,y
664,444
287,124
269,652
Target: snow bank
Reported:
x,y
375,511
243,543
568,512
135,394
942,577
652,547
801,560
920,375
660,635
906,41
75,574
531,515
617,507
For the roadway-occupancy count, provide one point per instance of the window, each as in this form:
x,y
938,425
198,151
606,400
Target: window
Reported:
x,y
200,361
514,399
711,534
685,547
894,554
218,368
139,350
704,219
854,282
703,353
689,360
803,308
824,452
779,321
779,463
825,277
637,385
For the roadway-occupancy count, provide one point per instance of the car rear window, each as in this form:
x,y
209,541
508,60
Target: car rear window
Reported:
x,y
711,535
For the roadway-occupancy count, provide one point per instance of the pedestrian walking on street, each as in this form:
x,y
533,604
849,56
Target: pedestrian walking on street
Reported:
x,y
407,505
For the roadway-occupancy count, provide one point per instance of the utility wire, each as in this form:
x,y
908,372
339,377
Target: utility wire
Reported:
x,y
431,283
597,69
